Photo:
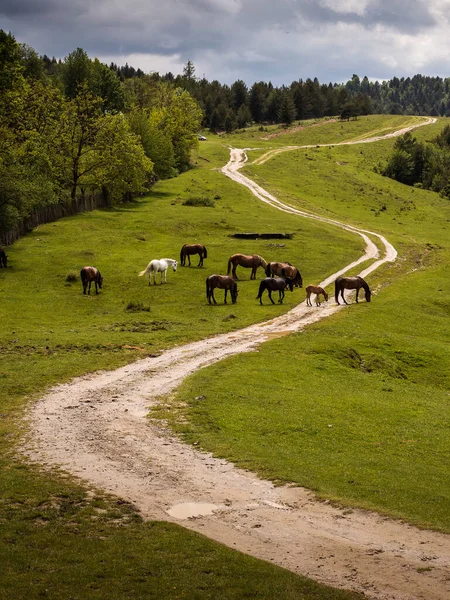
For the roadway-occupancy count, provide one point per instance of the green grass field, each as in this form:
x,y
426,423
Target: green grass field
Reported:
x,y
355,408
59,540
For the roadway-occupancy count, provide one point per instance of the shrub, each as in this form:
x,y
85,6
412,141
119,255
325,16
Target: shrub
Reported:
x,y
72,276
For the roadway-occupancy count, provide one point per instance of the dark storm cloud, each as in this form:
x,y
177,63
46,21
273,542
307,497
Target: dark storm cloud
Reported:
x,y
249,39
402,15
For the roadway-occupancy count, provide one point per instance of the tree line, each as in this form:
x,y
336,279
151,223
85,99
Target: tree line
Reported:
x,y
226,108
73,128
421,165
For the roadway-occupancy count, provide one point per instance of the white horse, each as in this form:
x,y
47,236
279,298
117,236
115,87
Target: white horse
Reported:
x,y
159,266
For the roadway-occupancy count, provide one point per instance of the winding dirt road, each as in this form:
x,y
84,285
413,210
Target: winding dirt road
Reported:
x,y
95,427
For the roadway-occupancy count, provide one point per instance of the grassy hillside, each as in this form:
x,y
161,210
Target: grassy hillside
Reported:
x,y
355,408
58,539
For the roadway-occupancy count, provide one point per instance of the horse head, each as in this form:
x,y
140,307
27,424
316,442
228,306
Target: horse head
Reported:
x,y
100,280
174,265
234,293
289,283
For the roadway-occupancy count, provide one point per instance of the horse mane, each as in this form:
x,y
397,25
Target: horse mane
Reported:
x,y
263,261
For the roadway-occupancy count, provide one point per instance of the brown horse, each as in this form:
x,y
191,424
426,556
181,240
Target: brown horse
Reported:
x,y
223,282
285,269
190,249
3,258
89,275
272,284
318,291
350,283
250,262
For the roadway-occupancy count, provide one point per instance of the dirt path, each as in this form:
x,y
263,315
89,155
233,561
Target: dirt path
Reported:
x,y
95,427
365,140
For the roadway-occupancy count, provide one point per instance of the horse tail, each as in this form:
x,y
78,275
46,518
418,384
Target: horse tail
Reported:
x,y
83,276
261,289
229,265
267,270
144,272
205,252
366,289
207,287
182,253
283,272
336,290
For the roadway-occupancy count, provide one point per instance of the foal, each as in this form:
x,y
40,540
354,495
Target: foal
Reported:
x,y
315,289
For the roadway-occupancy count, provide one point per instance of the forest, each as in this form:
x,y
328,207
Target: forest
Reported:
x,y
76,128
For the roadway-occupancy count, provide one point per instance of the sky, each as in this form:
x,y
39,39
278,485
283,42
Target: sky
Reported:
x,y
253,40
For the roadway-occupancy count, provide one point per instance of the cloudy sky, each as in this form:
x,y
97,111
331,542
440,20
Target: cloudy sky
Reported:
x,y
253,40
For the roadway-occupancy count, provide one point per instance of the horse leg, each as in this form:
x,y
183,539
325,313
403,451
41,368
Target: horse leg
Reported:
x,y
270,296
342,294
233,273
357,292
225,296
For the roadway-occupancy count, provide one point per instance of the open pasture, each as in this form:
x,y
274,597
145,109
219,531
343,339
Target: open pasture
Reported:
x,y
58,539
355,408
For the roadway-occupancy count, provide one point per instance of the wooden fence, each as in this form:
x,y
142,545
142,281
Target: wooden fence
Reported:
x,y
53,212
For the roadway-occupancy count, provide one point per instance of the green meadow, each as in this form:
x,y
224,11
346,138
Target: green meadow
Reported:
x,y
60,539
355,407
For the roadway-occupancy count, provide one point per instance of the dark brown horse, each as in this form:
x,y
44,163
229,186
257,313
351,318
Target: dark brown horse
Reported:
x,y
190,249
272,284
3,258
250,262
89,275
285,269
223,282
350,283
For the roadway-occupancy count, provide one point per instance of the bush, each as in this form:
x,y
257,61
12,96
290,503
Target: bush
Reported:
x,y
72,276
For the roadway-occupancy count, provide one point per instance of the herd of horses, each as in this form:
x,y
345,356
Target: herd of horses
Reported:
x,y
279,277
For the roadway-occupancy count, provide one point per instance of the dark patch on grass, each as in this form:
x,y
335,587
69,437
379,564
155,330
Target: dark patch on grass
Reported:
x,y
369,363
199,201
137,307
139,326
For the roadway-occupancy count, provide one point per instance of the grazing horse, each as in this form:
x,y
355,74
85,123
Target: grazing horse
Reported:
x,y
89,275
188,250
272,284
3,258
318,291
251,262
285,269
350,283
223,282
159,266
